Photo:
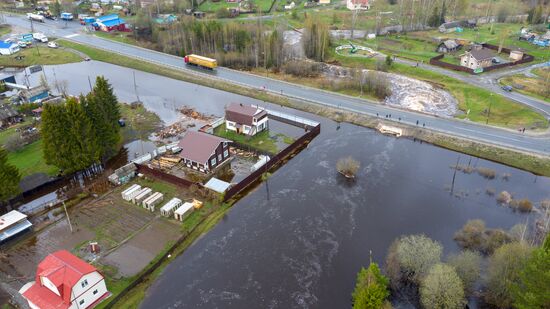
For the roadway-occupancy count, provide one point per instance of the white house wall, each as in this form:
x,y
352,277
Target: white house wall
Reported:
x,y
47,283
79,293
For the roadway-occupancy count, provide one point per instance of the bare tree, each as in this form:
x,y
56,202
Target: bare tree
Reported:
x,y
348,167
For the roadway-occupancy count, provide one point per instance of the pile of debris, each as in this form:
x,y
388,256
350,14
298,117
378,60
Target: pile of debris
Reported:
x,y
172,130
165,162
191,113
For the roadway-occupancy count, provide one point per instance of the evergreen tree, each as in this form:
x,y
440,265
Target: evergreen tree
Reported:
x,y
443,13
9,177
81,140
371,288
435,18
103,110
54,134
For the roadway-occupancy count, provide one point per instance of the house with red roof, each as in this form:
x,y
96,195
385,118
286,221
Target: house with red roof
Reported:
x,y
203,152
63,281
245,119
358,4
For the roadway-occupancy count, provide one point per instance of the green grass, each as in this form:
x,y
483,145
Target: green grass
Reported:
x,y
140,122
43,55
532,86
5,29
30,160
260,141
473,101
122,37
210,6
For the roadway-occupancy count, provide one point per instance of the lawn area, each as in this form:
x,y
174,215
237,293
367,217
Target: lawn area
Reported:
x,y
211,6
537,86
404,46
5,29
7,133
260,141
473,101
29,160
122,37
43,55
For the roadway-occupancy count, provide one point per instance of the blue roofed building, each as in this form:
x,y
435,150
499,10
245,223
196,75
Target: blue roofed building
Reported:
x,y
110,23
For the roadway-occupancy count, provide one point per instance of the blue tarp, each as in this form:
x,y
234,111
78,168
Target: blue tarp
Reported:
x,y
5,44
113,22
105,18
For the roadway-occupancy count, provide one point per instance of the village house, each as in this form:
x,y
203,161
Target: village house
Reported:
x,y
476,59
245,119
7,48
203,152
110,23
454,26
358,4
12,224
9,116
64,281
448,46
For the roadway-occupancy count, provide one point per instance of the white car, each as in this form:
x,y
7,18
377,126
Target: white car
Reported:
x,y
22,44
52,45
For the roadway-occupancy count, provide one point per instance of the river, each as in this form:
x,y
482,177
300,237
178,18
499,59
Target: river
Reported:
x,y
301,244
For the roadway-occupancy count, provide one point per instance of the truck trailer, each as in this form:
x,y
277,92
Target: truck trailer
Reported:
x,y
200,61
35,17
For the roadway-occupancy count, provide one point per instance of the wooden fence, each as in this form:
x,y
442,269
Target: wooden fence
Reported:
x,y
180,182
437,61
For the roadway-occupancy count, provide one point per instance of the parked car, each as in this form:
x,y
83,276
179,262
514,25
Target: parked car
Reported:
x,y
52,45
87,59
495,60
22,44
507,88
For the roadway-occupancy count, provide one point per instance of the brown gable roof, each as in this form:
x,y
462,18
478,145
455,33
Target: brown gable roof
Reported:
x,y
242,114
198,146
482,54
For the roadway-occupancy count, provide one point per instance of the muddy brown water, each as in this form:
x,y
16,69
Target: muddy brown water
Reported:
x,y
302,245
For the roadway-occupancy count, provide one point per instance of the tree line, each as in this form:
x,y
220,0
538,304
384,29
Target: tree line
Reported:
x,y
82,132
517,274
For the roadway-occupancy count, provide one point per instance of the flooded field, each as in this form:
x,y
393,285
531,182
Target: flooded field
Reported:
x,y
301,244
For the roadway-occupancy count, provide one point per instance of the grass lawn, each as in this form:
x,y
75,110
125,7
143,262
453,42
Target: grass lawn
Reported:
x,y
122,37
538,86
29,160
473,101
211,6
260,141
46,56
5,29
403,46
140,122
7,133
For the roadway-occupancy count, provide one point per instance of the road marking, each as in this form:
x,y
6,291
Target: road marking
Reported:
x,y
71,35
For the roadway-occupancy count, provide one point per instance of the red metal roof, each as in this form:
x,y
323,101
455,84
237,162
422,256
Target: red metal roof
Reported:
x,y
64,270
198,146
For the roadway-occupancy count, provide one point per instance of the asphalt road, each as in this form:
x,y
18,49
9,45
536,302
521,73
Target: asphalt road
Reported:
x,y
465,129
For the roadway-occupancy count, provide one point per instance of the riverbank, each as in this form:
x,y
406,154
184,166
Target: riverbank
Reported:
x,y
530,162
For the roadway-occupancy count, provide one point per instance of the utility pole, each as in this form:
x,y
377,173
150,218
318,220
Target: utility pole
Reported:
x,y
353,21
67,214
90,83
135,88
489,111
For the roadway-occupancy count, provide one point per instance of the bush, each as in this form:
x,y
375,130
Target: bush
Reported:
x,y
486,172
302,68
467,265
523,205
222,13
545,204
442,288
348,166
371,288
504,197
475,236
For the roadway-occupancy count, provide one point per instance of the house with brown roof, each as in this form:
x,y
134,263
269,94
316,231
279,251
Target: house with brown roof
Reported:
x,y
203,152
245,119
476,58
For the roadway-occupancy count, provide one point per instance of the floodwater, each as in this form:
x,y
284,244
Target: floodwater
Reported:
x,y
301,245
299,240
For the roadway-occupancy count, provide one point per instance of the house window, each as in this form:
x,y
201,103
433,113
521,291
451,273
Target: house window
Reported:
x,y
254,120
81,302
95,292
225,153
213,162
84,283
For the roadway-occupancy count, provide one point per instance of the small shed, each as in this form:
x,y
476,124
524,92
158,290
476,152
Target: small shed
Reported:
x,y
217,185
9,116
123,175
516,55
448,46
183,211
169,207
7,48
142,195
130,192
153,200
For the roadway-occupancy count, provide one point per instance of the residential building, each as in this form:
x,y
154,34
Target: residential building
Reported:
x,y
8,48
450,27
516,55
476,59
34,94
63,281
358,4
9,116
245,119
448,46
203,152
13,223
